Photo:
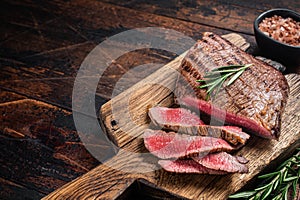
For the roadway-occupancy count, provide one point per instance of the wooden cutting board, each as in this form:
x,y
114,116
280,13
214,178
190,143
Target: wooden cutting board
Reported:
x,y
131,171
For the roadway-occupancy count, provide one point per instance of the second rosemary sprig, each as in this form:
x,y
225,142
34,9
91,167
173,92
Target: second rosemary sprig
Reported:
x,y
278,184
215,78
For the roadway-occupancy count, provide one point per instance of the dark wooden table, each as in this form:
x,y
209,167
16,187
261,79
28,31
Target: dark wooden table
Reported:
x,y
42,45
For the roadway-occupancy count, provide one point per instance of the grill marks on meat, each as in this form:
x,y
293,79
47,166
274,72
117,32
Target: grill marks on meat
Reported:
x,y
182,120
224,162
258,95
172,145
187,166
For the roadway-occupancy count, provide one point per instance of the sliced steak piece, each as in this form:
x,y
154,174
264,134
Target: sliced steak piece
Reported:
x,y
228,117
184,121
187,166
173,145
163,116
224,162
258,97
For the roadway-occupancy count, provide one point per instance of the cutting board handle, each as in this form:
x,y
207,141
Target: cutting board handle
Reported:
x,y
103,182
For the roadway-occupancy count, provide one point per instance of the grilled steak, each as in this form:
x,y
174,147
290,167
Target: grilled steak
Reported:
x,y
173,145
187,166
224,162
254,101
182,120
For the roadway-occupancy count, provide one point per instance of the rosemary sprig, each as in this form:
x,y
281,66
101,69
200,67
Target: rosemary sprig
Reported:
x,y
276,184
215,78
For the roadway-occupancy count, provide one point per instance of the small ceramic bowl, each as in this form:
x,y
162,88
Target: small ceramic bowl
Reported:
x,y
284,53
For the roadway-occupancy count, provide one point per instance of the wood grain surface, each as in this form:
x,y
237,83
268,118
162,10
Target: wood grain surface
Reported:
x,y
129,113
230,13
42,45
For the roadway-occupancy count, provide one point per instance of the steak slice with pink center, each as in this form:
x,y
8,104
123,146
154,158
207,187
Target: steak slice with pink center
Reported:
x,y
162,116
230,118
224,162
184,121
187,166
173,145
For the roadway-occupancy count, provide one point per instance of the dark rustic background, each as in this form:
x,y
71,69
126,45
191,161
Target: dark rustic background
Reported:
x,y
42,44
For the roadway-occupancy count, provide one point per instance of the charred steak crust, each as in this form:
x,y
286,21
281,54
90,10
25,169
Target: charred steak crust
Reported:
x,y
259,94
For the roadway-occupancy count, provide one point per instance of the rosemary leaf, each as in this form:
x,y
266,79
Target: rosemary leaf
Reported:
x,y
278,197
235,77
218,83
267,192
219,87
262,187
285,192
212,76
238,74
210,89
268,175
276,182
257,196
222,71
216,77
284,176
227,67
295,182
289,179
242,195
210,83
